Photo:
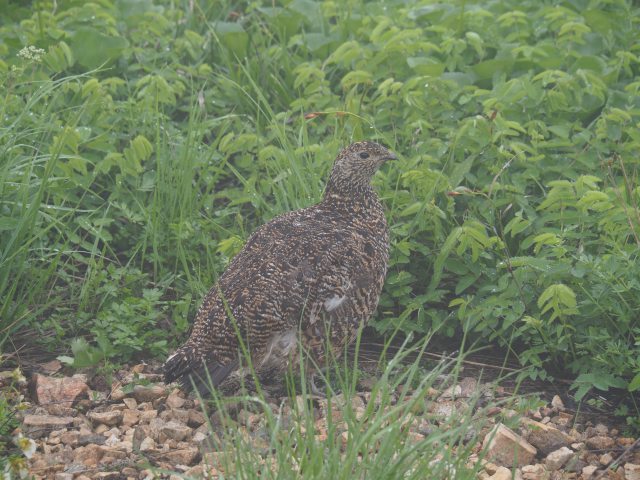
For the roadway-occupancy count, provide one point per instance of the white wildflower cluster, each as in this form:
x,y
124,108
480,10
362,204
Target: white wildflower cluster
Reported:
x,y
25,444
16,467
32,53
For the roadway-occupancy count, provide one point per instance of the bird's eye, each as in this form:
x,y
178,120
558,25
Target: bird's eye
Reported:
x,y
364,155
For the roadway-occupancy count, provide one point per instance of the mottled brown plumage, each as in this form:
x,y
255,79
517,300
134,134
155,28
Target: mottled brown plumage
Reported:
x,y
313,274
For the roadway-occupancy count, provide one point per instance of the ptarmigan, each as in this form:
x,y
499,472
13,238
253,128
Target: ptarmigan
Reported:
x,y
314,274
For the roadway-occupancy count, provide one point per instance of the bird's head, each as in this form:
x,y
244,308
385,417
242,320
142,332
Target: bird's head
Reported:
x,y
355,165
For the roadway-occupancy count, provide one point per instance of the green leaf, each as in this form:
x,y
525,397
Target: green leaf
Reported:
x,y
356,77
426,66
92,48
634,384
487,69
232,36
308,9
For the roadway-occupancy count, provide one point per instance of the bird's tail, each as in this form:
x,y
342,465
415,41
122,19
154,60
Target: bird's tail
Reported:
x,y
191,368
180,363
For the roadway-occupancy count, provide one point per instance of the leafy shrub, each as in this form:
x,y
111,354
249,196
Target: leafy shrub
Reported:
x,y
148,139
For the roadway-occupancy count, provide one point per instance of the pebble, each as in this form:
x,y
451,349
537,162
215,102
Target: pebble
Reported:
x,y
171,428
558,458
600,442
631,471
148,394
111,418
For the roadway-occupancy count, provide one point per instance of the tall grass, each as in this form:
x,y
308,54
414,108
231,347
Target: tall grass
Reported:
x,y
371,440
34,229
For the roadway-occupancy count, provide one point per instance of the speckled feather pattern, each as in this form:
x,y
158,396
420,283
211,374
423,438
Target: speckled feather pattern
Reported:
x,y
316,273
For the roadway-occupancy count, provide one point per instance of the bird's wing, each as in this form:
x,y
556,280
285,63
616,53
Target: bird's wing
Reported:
x,y
289,269
267,285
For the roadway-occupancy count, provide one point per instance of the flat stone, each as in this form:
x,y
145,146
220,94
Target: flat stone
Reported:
x,y
90,438
51,367
576,465
89,456
507,448
198,472
468,387
503,473
606,459
147,415
184,456
69,438
107,475
130,417
625,441
36,426
447,408
111,418
117,394
113,455
126,445
490,468
601,429
534,472
176,414
57,393
631,471
558,458
545,437
196,418
139,434
199,437
174,400
147,444
600,442
588,471
176,431
147,394
452,392
112,441
130,472
155,429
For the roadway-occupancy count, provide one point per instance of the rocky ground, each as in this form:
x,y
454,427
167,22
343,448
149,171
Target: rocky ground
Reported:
x,y
139,427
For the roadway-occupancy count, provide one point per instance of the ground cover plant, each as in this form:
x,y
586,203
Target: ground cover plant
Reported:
x,y
353,439
141,142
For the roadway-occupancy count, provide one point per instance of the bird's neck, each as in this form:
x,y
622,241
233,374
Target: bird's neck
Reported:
x,y
341,191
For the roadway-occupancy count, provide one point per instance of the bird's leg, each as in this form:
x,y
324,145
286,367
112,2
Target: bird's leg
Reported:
x,y
314,388
318,392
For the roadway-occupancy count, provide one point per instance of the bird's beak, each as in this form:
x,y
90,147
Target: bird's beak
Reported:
x,y
390,156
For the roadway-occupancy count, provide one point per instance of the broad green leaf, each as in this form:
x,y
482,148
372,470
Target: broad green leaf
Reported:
x,y
634,384
356,77
92,48
232,36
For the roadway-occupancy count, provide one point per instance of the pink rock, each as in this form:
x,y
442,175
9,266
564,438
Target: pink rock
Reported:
x,y
57,393
505,447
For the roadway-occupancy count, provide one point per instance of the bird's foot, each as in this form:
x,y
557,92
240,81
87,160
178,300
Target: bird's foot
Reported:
x,y
317,391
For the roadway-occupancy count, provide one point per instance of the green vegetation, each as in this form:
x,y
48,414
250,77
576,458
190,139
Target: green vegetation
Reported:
x,y
142,141
379,438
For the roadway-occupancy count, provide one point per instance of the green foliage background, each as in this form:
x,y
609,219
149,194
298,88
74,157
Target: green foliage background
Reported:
x,y
147,138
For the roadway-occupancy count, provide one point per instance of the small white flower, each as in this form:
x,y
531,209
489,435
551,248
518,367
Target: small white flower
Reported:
x,y
31,53
16,465
17,376
27,445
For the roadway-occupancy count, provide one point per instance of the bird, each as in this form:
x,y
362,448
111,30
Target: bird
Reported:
x,y
306,280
